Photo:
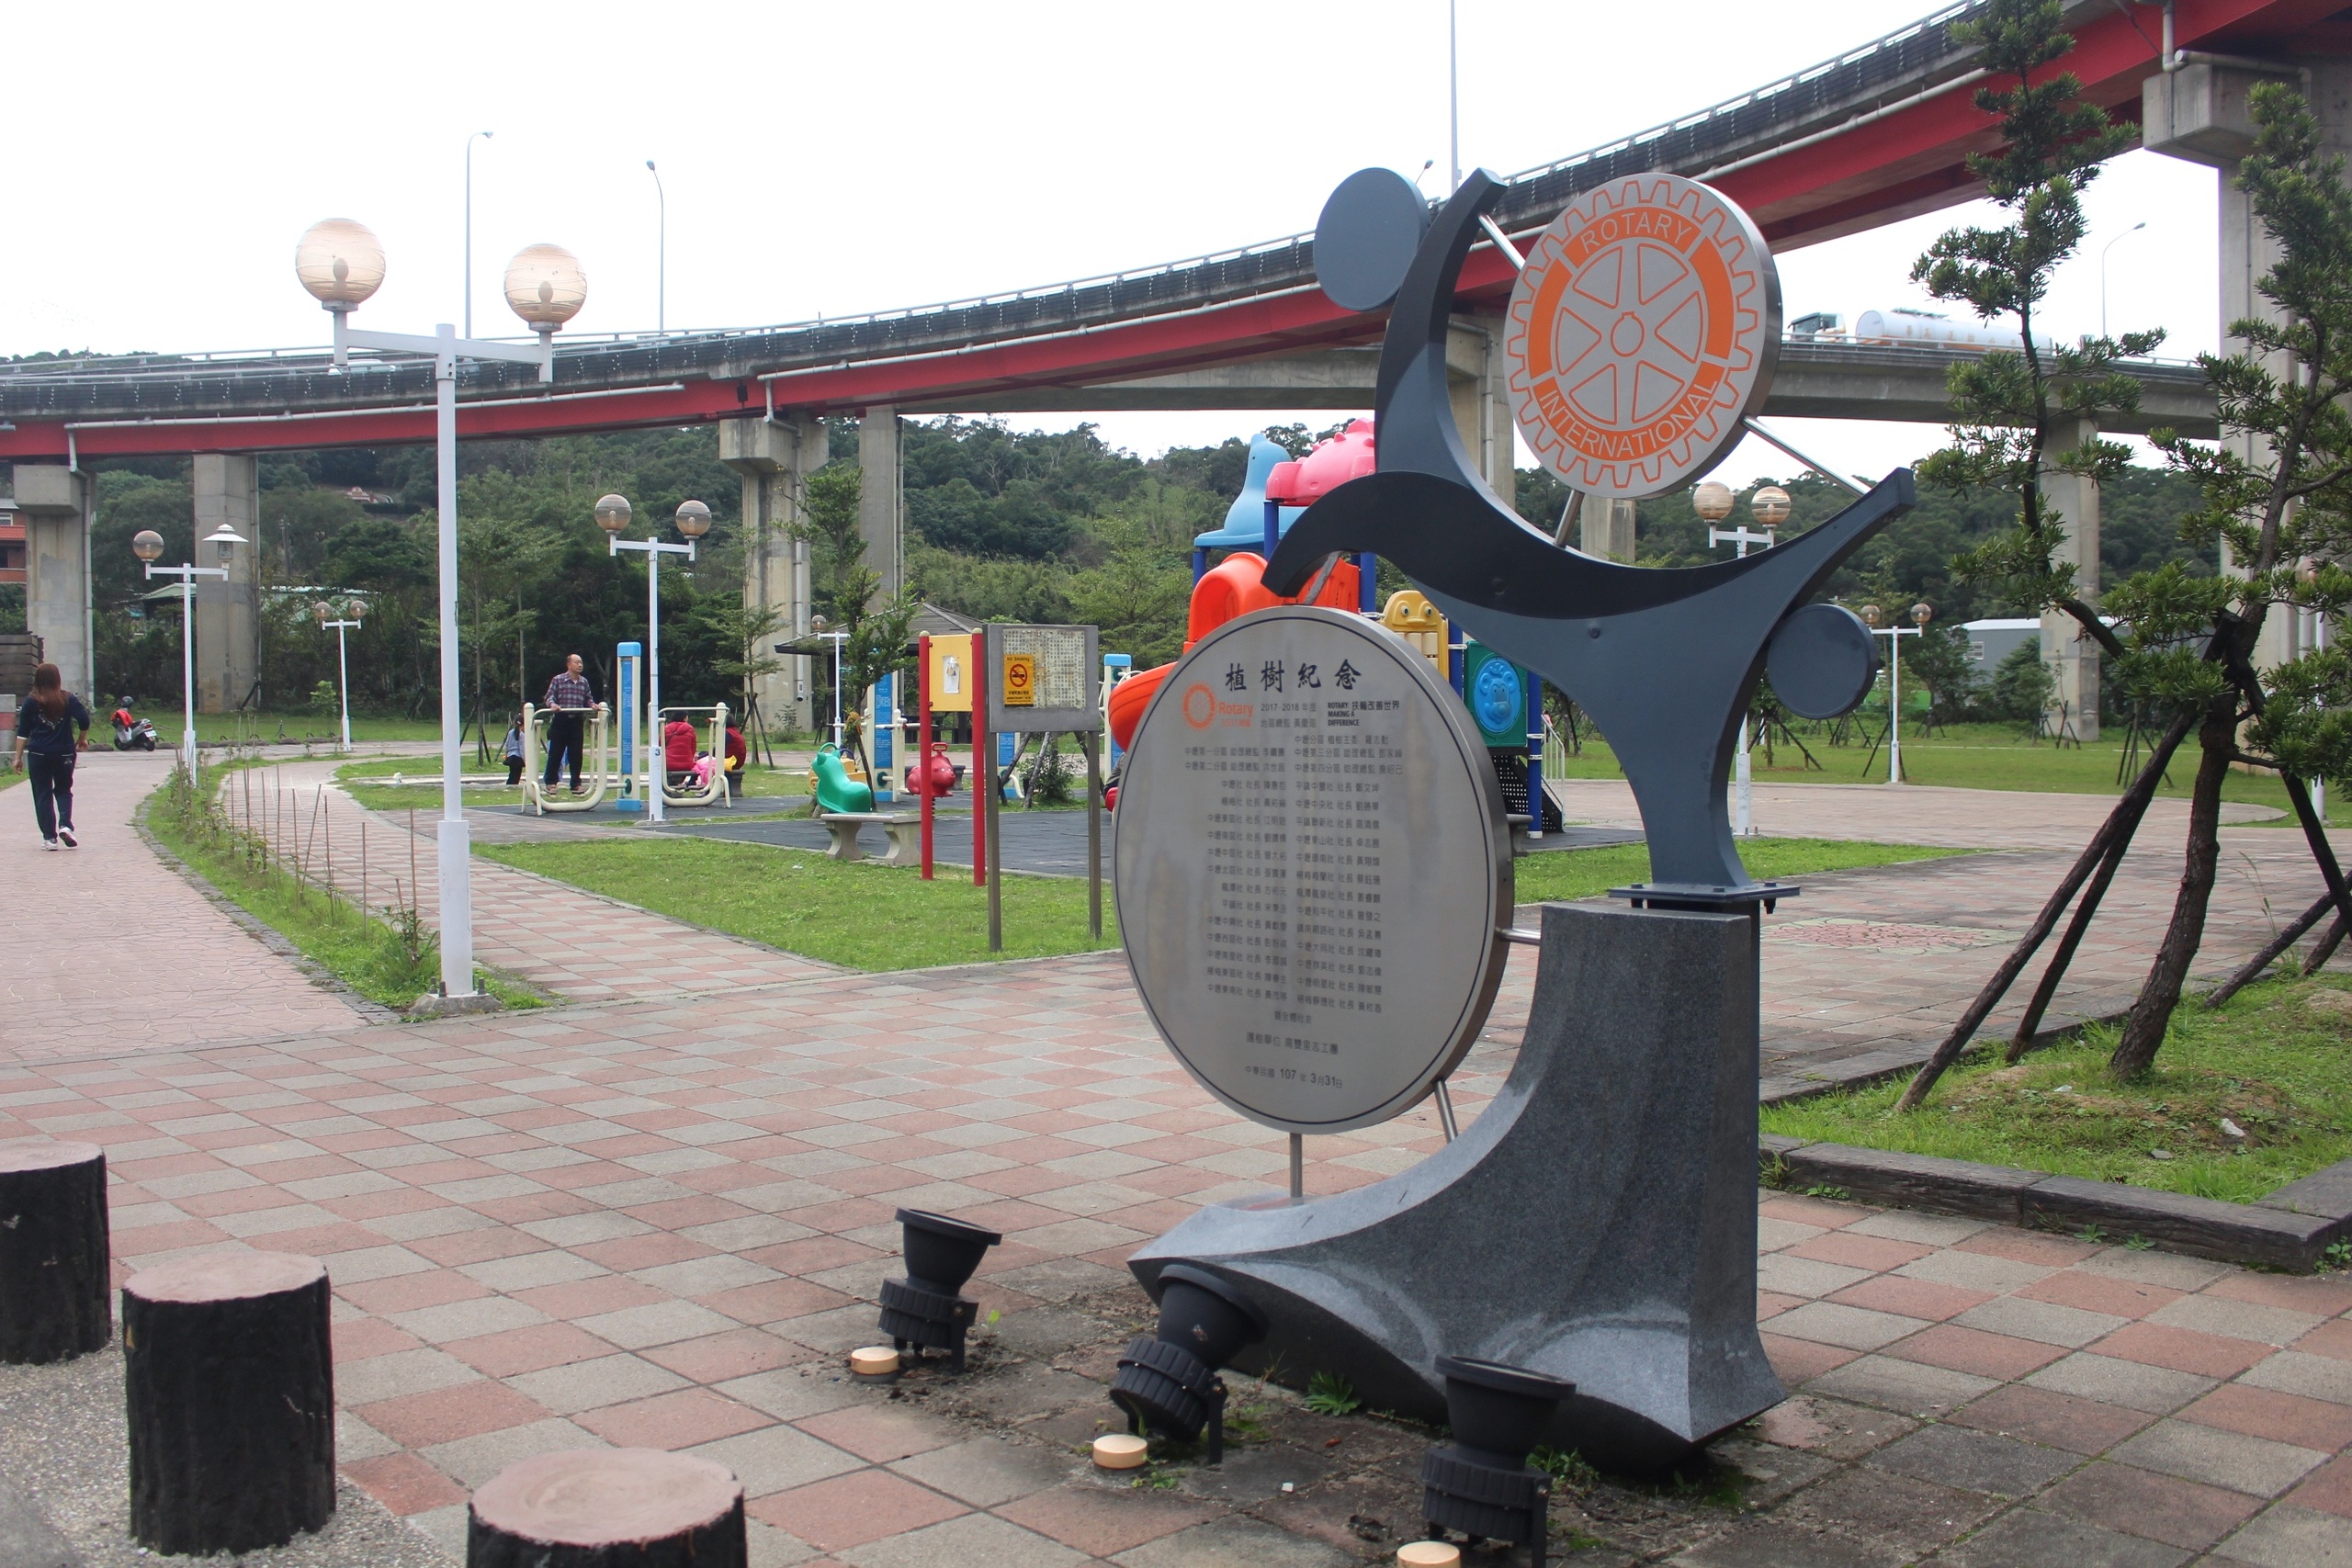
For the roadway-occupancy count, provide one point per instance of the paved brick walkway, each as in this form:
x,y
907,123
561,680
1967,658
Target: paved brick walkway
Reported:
x,y
568,943
662,1223
110,950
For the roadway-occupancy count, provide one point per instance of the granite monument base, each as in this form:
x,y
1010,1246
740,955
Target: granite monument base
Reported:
x,y
1597,1224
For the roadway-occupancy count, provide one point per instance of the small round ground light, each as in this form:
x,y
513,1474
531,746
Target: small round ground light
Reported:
x,y
608,1508
873,1363
1121,1451
1429,1554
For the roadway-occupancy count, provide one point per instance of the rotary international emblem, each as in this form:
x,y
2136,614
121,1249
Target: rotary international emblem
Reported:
x,y
1642,331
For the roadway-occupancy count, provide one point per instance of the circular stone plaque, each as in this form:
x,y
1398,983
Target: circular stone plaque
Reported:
x,y
1312,866
1643,330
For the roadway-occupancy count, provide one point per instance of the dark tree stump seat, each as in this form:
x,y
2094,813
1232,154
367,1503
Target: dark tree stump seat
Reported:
x,y
229,1380
54,1291
608,1508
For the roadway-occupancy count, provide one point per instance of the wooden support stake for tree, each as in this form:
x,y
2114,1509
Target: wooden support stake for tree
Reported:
x,y
2251,970
55,1294
2134,802
608,1508
2031,1024
229,1386
2327,948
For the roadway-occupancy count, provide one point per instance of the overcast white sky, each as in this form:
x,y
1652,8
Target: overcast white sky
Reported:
x,y
851,158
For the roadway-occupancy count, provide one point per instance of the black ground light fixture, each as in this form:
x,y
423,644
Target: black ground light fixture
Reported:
x,y
1168,1378
1481,1484
927,1310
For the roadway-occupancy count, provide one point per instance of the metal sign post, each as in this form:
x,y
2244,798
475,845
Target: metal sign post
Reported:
x,y
1046,681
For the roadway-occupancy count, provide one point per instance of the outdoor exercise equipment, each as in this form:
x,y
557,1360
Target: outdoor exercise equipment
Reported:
x,y
836,791
719,790
599,766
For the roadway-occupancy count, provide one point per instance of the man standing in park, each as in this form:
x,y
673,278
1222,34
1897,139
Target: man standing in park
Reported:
x,y
569,699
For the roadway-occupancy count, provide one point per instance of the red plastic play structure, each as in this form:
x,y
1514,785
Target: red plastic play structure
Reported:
x,y
1235,586
937,778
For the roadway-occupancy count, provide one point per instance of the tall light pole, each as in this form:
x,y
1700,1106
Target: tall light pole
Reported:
x,y
1921,614
477,136
661,251
1712,501
332,617
148,544
1454,100
2102,270
342,264
693,521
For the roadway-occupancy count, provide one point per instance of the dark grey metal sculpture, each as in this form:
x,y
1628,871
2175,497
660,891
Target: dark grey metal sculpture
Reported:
x,y
1597,1224
1664,660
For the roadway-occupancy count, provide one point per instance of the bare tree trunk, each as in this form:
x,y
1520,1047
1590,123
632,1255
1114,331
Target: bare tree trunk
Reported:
x,y
2128,809
2143,1031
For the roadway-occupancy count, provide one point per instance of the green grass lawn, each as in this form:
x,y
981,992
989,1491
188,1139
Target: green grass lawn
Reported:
x,y
862,916
1978,756
1555,875
359,948
2271,1062
299,724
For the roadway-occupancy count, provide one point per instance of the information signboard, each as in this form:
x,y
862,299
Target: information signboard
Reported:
x,y
1044,679
950,679
1312,868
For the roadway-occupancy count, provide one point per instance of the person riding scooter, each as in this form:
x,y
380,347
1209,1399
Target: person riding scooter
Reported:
x,y
131,732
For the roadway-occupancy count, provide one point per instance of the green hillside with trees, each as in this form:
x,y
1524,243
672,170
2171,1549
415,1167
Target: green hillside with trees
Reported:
x,y
1001,523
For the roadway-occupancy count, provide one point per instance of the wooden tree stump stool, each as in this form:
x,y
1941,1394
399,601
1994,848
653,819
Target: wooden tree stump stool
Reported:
x,y
229,1383
608,1508
54,1295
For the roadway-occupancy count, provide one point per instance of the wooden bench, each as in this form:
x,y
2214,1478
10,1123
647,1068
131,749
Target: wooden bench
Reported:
x,y
904,828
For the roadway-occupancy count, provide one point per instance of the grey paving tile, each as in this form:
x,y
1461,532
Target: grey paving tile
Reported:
x,y
2289,1537
776,1458
1957,1456
2252,1465
2027,1538
987,1471
590,1385
2158,1391
1237,1542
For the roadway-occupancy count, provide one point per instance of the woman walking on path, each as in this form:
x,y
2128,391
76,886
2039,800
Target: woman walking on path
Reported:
x,y
45,733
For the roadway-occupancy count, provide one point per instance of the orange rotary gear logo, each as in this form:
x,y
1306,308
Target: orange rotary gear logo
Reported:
x,y
1643,330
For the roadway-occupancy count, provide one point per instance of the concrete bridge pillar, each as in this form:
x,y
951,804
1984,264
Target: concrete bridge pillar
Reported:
x,y
2198,113
1480,384
1605,528
878,512
775,460
55,503
2073,658
228,621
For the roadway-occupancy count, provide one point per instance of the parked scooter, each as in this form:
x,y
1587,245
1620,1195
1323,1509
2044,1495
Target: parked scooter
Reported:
x,y
132,733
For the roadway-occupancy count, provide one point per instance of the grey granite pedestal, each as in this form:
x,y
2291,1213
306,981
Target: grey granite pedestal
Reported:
x,y
1597,1223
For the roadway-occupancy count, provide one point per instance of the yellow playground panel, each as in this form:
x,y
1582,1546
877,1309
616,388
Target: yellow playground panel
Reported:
x,y
950,675
1410,615
598,765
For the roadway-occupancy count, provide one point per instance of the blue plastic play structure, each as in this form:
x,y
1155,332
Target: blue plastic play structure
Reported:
x,y
1245,520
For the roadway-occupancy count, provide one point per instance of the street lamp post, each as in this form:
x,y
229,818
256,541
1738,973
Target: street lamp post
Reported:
x,y
332,619
341,264
693,521
661,251
148,545
1712,502
817,628
477,136
1921,614
2102,270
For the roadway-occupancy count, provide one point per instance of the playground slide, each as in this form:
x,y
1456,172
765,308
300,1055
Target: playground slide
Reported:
x,y
1234,587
